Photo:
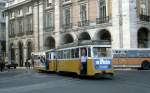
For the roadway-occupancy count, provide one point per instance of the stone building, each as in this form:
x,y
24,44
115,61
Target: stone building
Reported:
x,y
36,25
2,29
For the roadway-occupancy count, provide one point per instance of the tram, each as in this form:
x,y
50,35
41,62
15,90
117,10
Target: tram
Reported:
x,y
98,60
44,60
39,60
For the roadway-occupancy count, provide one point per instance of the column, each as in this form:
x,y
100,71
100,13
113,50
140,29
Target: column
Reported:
x,y
35,26
57,23
41,33
129,17
116,24
25,54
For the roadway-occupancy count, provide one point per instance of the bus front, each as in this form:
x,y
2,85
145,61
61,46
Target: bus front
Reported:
x,y
102,60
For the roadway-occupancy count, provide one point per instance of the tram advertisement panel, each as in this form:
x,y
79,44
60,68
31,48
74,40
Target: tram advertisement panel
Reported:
x,y
102,63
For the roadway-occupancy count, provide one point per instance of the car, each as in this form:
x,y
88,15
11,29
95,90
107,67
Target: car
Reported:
x,y
12,65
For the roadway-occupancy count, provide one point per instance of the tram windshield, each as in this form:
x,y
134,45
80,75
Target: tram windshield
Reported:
x,y
101,52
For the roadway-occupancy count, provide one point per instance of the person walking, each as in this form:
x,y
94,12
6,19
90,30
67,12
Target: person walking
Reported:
x,y
2,65
32,60
27,64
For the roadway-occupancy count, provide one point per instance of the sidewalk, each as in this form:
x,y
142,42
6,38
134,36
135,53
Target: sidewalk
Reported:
x,y
23,68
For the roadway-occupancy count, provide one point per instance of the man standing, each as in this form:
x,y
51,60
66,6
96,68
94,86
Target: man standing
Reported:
x,y
83,60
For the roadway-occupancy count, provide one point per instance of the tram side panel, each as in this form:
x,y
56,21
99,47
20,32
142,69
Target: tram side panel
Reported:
x,y
69,65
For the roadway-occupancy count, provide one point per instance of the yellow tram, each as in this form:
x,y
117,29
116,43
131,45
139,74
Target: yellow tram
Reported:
x,y
98,60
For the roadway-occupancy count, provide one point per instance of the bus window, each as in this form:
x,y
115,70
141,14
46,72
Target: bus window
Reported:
x,y
133,53
123,54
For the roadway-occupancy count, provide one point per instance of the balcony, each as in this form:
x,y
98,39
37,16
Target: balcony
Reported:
x,y
12,35
67,26
102,20
29,32
144,18
83,23
81,0
20,34
49,29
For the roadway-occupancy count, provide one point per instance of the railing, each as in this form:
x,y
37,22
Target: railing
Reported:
x,y
83,23
80,0
49,29
144,18
20,34
12,35
29,32
102,20
67,26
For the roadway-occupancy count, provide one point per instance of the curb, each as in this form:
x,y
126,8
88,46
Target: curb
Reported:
x,y
23,68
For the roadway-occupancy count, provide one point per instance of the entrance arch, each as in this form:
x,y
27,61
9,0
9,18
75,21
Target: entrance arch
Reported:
x,y
12,52
68,39
50,43
29,49
104,35
21,56
143,38
84,36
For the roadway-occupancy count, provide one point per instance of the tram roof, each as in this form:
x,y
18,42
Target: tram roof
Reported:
x,y
85,43
82,43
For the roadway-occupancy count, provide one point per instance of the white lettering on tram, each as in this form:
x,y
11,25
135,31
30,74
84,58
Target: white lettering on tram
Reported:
x,y
102,61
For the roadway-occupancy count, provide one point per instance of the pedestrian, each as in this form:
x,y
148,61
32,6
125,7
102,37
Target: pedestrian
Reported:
x,y
2,65
27,64
83,61
32,60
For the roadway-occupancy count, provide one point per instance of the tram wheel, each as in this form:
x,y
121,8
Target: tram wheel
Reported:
x,y
145,65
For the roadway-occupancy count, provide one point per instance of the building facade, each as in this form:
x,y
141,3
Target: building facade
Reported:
x,y
36,25
2,29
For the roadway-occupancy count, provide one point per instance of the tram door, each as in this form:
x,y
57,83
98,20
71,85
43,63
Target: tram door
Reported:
x,y
53,61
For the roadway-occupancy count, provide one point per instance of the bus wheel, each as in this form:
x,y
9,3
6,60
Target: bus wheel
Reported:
x,y
145,65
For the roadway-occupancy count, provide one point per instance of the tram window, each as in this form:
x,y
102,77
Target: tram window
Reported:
x,y
60,54
64,54
48,56
89,52
83,51
101,52
72,53
68,54
77,53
